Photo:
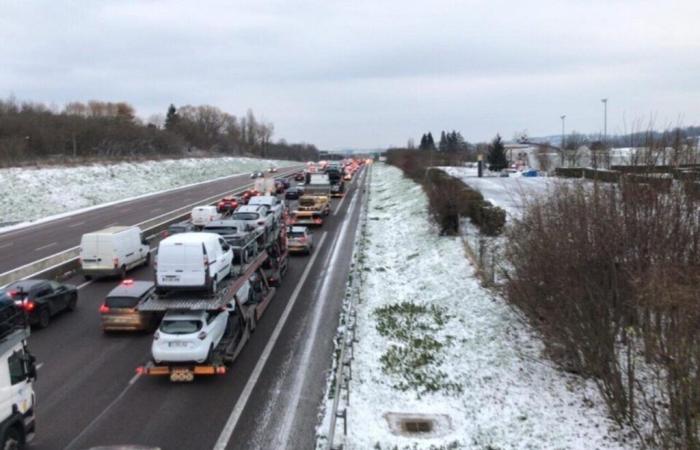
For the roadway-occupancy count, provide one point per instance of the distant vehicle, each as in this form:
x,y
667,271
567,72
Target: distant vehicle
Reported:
x,y
193,261
17,373
189,336
113,251
293,193
41,299
180,227
254,217
299,239
201,215
299,176
273,203
119,310
227,205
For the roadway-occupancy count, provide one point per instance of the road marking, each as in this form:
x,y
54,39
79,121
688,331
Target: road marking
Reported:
x,y
227,431
77,224
299,375
9,244
38,249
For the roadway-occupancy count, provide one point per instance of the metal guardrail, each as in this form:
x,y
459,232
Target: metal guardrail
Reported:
x,y
64,263
347,337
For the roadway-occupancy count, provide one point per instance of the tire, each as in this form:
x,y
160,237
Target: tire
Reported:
x,y
72,303
13,439
44,318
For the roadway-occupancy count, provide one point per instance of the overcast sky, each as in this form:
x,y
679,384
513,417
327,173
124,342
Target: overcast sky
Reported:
x,y
367,74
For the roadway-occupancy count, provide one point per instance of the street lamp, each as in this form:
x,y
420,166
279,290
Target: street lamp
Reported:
x,y
605,119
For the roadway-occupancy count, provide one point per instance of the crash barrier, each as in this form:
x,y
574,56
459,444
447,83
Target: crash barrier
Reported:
x,y
346,338
63,264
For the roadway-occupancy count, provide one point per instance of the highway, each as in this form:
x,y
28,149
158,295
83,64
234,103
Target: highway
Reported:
x,y
26,245
89,395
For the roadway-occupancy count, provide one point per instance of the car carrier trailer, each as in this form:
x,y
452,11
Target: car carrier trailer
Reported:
x,y
243,316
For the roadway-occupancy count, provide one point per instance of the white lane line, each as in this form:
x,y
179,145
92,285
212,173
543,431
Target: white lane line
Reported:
x,y
38,249
301,368
76,224
9,244
227,432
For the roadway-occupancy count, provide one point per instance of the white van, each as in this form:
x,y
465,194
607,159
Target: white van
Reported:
x,y
192,261
202,215
113,251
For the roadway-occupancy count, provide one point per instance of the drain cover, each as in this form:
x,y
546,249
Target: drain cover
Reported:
x,y
418,425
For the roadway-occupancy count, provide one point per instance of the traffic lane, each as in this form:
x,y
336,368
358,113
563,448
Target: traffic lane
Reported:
x,y
30,244
82,370
283,411
153,410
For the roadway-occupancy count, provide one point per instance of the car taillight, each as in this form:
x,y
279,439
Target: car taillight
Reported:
x,y
104,309
202,335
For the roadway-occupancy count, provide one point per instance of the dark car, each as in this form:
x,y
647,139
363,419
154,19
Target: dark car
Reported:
x,y
42,299
119,313
180,227
293,193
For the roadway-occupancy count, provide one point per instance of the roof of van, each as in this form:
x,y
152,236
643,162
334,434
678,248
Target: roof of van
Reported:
x,y
111,230
192,237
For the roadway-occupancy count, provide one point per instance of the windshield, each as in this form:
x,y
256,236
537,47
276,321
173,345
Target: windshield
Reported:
x,y
245,216
180,326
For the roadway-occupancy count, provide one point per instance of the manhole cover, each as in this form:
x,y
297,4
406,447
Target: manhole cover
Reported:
x,y
418,425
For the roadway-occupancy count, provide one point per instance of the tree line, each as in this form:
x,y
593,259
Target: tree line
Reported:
x,y
31,131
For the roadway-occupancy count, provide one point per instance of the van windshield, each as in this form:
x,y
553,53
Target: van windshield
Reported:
x,y
245,216
180,326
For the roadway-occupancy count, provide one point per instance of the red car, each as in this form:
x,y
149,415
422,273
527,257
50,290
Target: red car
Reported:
x,y
227,205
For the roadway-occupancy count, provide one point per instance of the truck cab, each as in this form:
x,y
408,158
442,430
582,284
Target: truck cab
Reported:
x,y
17,374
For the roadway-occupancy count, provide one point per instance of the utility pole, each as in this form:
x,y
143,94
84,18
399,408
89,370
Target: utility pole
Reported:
x,y
605,120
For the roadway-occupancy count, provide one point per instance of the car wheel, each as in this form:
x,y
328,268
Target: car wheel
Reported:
x,y
13,439
44,318
72,303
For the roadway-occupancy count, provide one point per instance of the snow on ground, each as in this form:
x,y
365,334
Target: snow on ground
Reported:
x,y
29,194
509,193
479,363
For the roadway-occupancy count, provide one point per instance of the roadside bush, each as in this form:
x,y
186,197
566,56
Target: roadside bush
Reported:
x,y
609,275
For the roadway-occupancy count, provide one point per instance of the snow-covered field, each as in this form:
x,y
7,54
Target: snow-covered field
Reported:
x,y
509,193
433,341
29,194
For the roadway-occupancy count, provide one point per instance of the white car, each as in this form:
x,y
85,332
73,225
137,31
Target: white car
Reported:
x,y
274,204
188,336
257,217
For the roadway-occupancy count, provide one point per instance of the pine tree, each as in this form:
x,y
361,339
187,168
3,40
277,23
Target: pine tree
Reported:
x,y
497,155
443,145
171,118
430,142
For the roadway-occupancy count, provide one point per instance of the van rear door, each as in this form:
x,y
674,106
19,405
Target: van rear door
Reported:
x,y
181,264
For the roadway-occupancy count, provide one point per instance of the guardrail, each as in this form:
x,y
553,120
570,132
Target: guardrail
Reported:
x,y
65,263
346,336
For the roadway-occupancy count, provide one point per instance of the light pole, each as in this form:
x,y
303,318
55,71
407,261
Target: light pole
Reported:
x,y
605,120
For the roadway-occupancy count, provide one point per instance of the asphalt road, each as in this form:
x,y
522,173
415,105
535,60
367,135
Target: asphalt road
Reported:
x,y
26,245
88,393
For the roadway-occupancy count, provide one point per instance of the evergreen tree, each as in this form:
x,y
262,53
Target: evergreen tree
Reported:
x,y
497,155
443,146
171,118
430,142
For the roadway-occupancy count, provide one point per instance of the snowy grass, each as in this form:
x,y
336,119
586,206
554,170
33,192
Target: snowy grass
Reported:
x,y
421,296
28,194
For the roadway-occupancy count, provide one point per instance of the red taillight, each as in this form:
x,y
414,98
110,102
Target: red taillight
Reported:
x,y
202,335
104,309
